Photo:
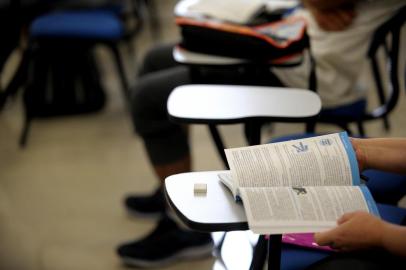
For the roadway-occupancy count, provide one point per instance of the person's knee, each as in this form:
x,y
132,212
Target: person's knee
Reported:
x,y
156,59
149,99
148,63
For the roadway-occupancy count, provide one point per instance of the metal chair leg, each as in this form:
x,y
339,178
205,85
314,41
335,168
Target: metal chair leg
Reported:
x,y
274,252
252,131
121,72
153,18
25,132
310,127
19,78
361,129
260,253
219,143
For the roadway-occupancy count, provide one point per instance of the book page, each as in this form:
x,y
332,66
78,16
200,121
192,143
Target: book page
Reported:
x,y
327,160
301,209
237,11
227,180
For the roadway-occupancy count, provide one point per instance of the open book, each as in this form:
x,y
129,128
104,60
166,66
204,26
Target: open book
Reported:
x,y
297,186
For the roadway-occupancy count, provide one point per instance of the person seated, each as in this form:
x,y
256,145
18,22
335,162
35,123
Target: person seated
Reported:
x,y
366,241
339,31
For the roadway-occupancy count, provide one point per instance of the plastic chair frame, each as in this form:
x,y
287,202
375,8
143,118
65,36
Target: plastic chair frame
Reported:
x,y
391,29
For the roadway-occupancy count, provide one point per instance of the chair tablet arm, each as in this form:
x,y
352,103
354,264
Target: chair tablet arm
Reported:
x,y
228,104
190,58
187,57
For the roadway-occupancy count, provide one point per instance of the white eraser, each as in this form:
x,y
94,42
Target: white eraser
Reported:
x,y
200,188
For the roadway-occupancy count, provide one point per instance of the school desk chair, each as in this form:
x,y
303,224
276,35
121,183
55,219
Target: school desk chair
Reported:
x,y
217,211
225,104
386,37
212,103
113,21
248,70
82,27
88,27
386,192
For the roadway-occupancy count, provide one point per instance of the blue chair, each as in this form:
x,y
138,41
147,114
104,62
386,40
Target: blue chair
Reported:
x,y
83,28
110,22
87,27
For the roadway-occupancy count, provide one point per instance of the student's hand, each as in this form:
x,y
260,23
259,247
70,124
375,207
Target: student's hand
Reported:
x,y
333,20
360,152
356,230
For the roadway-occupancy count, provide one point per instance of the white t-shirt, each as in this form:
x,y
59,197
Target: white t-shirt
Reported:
x,y
340,56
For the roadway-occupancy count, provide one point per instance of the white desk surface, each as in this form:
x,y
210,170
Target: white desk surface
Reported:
x,y
215,211
230,103
187,57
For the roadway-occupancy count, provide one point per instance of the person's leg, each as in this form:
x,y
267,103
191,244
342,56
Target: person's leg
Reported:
x,y
158,58
166,143
167,148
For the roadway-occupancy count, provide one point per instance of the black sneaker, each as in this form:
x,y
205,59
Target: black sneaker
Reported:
x,y
150,206
165,245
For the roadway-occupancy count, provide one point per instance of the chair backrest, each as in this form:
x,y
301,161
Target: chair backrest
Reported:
x,y
390,29
387,34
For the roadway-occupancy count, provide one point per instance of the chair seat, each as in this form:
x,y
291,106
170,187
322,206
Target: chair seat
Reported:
x,y
92,24
354,110
386,187
392,214
296,257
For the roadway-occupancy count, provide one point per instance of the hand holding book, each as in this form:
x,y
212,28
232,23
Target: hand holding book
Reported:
x,y
297,186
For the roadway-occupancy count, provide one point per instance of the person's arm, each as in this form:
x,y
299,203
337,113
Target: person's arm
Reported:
x,y
386,154
328,5
332,15
361,230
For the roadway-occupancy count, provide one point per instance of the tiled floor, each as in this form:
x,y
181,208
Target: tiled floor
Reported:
x,y
61,197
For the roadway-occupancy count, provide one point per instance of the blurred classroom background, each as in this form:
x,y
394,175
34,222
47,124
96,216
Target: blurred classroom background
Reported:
x,y
61,196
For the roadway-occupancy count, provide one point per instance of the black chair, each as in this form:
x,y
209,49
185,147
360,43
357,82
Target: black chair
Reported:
x,y
85,27
387,33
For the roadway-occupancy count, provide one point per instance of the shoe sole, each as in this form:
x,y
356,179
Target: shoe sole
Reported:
x,y
187,254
